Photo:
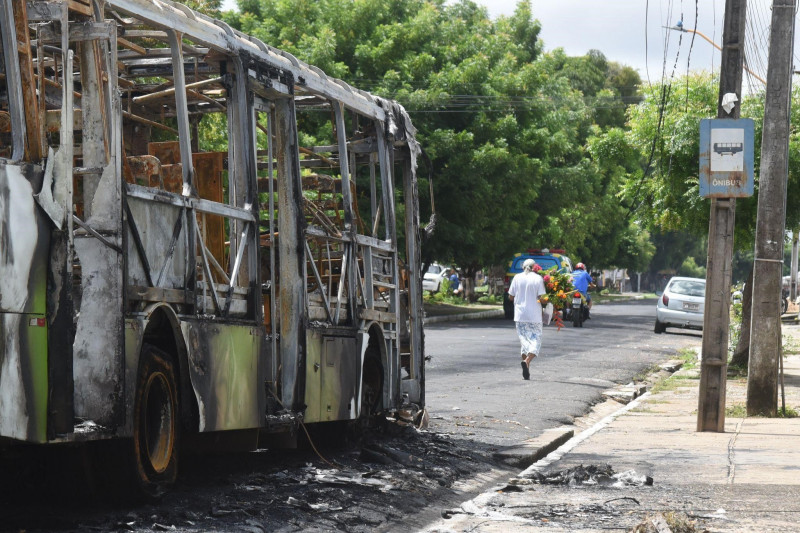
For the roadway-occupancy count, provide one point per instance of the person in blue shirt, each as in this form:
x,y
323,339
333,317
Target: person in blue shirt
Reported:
x,y
455,283
582,281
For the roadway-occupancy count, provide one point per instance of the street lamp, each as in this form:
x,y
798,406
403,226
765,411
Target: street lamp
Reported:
x,y
679,27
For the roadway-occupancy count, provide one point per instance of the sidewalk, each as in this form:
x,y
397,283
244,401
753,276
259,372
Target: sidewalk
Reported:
x,y
452,313
746,479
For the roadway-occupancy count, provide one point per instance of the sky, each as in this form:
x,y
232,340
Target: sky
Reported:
x,y
631,32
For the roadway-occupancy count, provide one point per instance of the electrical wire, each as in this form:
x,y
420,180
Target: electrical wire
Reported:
x,y
756,44
646,61
677,55
666,90
691,46
714,30
310,441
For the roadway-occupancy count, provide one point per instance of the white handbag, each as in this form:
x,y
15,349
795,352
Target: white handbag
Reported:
x,y
547,313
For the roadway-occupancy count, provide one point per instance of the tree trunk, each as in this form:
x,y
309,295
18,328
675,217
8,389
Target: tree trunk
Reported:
x,y
741,355
469,285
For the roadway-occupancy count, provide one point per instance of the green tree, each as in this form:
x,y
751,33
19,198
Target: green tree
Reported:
x,y
509,131
664,128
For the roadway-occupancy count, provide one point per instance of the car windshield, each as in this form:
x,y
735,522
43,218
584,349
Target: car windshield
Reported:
x,y
434,269
688,287
544,262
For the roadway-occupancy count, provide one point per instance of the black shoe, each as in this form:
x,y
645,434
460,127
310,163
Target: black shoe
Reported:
x,y
525,372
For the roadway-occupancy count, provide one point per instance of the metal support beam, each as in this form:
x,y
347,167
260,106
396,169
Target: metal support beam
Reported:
x,y
8,34
347,200
182,118
291,253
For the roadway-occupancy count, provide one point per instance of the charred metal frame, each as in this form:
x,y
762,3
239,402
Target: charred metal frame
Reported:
x,y
147,267
8,35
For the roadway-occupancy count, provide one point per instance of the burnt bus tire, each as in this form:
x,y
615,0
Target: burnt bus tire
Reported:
x,y
371,386
156,425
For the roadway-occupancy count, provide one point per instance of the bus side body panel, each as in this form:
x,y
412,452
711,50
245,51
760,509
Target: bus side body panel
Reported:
x,y
333,369
134,338
24,246
225,365
156,224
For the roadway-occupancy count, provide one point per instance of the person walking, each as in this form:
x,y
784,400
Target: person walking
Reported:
x,y
582,281
526,291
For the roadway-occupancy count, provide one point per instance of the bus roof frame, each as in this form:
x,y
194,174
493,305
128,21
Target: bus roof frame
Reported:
x,y
220,36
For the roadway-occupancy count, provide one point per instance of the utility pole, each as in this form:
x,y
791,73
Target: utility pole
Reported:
x,y
765,336
714,359
793,274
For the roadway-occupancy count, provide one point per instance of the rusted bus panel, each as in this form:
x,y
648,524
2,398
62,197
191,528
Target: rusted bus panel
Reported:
x,y
143,170
332,376
227,364
209,168
171,179
5,123
24,247
168,152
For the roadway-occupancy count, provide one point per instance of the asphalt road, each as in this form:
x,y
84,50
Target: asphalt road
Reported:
x,y
478,403
474,385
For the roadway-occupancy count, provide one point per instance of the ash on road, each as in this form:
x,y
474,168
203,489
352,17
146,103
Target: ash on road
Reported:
x,y
392,473
395,478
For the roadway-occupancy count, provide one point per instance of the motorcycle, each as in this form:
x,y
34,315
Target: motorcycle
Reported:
x,y
579,311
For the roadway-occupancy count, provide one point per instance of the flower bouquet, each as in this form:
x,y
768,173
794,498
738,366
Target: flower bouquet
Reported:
x,y
559,291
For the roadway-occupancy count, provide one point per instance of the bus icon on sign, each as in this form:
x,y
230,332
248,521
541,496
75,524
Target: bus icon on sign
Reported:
x,y
728,148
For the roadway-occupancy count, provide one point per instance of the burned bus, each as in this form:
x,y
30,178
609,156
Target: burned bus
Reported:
x,y
174,262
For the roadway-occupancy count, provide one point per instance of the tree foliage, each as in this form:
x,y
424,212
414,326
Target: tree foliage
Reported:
x,y
526,148
664,128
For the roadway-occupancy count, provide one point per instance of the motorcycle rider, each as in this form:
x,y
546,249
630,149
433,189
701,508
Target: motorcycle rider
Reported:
x,y
582,281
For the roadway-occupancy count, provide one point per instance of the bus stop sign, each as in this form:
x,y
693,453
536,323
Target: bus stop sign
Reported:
x,y
726,158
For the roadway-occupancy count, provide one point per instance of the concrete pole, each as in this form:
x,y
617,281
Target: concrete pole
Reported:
x,y
793,279
714,362
765,333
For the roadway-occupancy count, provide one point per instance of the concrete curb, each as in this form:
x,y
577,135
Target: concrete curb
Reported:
x,y
494,313
491,313
530,451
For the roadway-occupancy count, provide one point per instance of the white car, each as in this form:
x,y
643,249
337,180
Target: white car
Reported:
x,y
432,280
681,305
